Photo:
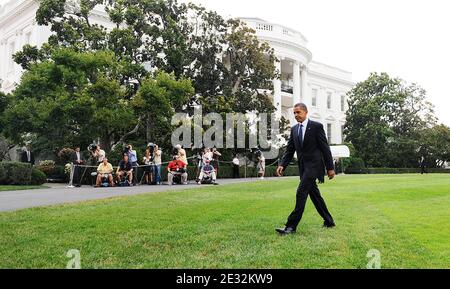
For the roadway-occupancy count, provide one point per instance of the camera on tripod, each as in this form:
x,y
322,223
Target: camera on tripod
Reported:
x,y
151,148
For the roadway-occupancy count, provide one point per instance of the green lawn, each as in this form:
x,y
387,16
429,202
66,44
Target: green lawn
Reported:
x,y
18,188
405,217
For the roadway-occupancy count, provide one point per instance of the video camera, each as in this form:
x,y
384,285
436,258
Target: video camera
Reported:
x,y
92,147
126,149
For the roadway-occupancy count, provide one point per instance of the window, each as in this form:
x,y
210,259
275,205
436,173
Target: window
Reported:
x,y
329,100
342,133
314,98
342,102
329,132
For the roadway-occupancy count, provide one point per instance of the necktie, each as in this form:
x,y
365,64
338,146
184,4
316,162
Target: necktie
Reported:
x,y
300,135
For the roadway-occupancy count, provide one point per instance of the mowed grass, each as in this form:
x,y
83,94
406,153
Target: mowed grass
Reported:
x,y
19,188
405,217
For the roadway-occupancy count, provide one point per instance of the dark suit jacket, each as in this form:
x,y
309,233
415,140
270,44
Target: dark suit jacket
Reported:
x,y
73,158
24,158
314,156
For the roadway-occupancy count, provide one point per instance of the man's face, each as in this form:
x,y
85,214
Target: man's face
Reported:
x,y
300,114
125,158
105,161
77,150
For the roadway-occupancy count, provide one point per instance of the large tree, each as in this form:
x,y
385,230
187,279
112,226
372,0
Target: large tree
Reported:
x,y
385,119
75,97
230,69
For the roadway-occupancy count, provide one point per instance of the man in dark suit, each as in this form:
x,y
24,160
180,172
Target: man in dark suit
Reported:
x,y
27,156
77,160
313,152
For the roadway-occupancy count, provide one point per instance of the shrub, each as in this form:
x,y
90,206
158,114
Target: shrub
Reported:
x,y
37,177
64,156
15,173
47,167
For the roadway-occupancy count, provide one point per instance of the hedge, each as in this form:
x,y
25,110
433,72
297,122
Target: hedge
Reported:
x,y
14,173
37,177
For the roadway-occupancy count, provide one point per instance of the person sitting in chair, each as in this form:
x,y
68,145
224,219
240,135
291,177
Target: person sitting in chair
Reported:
x,y
125,170
207,172
177,168
104,170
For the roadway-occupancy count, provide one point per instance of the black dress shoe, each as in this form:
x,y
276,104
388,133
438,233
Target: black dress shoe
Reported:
x,y
285,231
328,225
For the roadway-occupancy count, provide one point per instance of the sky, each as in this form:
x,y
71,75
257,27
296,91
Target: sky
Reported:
x,y
408,39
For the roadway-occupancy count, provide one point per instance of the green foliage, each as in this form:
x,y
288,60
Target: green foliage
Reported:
x,y
14,173
47,167
403,216
37,177
123,84
385,119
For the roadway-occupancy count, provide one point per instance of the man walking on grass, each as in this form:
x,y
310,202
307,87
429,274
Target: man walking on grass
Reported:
x,y
313,152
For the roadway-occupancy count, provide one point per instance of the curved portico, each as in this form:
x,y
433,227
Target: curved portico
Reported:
x,y
321,87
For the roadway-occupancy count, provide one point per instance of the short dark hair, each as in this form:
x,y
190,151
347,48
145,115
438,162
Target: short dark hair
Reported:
x,y
302,106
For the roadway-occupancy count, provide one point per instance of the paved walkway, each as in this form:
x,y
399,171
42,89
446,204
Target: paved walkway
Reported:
x,y
60,194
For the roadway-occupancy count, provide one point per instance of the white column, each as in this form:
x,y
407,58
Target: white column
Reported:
x,y
306,99
297,86
3,58
277,90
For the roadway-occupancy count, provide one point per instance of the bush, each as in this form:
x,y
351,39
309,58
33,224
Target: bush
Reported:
x,y
15,173
47,167
37,177
64,156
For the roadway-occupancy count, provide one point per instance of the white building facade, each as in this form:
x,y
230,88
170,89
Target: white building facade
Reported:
x,y
321,87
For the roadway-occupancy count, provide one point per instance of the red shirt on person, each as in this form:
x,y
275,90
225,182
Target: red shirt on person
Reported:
x,y
176,165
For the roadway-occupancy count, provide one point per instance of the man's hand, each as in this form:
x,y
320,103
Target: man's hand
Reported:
x,y
280,171
331,174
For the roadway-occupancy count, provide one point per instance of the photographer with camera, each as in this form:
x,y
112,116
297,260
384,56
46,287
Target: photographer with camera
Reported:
x,y
181,153
152,161
125,170
97,153
132,157
177,169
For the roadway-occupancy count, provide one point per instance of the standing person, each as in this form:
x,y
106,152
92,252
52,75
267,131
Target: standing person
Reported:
x,y
77,160
308,139
215,159
98,154
182,154
148,168
423,166
132,156
261,166
27,156
235,167
158,163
